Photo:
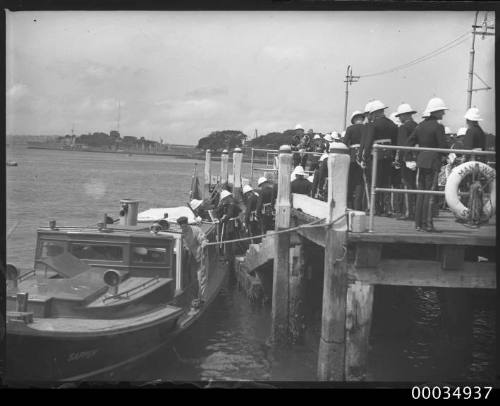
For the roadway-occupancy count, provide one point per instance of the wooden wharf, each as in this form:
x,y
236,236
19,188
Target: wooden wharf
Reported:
x,y
355,261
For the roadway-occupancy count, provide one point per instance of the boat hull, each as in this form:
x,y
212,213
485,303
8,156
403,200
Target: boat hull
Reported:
x,y
33,357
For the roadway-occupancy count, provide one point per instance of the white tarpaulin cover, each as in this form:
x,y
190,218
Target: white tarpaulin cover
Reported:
x,y
159,213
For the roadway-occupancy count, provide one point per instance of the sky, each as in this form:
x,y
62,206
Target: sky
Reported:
x,y
179,75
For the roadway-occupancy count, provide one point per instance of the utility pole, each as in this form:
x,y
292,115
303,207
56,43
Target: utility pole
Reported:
x,y
349,78
483,33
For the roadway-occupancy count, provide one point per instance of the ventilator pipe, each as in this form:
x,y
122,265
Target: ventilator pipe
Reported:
x,y
113,278
128,213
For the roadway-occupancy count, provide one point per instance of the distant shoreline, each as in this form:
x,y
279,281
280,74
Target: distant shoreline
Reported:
x,y
215,158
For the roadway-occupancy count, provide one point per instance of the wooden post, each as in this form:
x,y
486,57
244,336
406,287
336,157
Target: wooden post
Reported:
x,y
22,301
281,263
358,324
208,177
224,159
297,294
237,160
331,356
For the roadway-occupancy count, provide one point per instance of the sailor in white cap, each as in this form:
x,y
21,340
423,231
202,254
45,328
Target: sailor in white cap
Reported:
x,y
300,185
201,208
475,137
251,221
429,133
265,204
227,212
408,176
352,140
382,131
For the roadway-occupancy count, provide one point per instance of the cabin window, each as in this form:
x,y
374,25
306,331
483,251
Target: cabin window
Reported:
x,y
143,254
50,248
97,252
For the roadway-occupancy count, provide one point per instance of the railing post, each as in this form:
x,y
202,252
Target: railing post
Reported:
x,y
331,355
374,185
251,168
237,160
224,161
206,188
281,263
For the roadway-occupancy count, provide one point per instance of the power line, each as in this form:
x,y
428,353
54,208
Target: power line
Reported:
x,y
425,57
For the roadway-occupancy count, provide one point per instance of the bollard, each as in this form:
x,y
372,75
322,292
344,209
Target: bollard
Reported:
x,y
237,161
224,159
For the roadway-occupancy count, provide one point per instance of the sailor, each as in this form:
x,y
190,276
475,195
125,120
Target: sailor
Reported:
x,y
201,208
429,133
352,140
306,146
408,175
381,130
251,221
265,204
320,183
227,212
296,141
195,240
475,138
300,185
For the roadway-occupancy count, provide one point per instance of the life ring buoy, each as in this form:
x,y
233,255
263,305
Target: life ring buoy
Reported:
x,y
452,183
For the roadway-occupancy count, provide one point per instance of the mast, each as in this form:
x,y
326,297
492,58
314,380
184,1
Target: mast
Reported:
x,y
471,63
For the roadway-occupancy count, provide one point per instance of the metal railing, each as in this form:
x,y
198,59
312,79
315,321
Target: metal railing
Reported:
x,y
374,189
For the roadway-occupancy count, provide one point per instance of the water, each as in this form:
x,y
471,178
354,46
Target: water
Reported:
x,y
231,341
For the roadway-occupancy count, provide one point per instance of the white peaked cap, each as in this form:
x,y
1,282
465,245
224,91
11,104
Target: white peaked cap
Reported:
x,y
461,131
356,113
299,170
435,104
404,108
261,180
195,203
376,105
367,107
317,137
247,188
299,127
224,194
328,137
473,114
335,135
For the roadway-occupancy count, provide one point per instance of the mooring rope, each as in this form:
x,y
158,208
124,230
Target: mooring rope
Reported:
x,y
288,230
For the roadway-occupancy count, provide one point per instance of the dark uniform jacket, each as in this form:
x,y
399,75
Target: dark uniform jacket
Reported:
x,y
404,132
301,186
429,133
475,138
251,199
228,209
380,129
266,195
352,139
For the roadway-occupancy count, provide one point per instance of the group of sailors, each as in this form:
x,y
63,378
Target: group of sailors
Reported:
x,y
396,169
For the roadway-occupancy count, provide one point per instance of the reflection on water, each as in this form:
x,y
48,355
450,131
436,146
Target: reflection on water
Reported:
x,y
411,337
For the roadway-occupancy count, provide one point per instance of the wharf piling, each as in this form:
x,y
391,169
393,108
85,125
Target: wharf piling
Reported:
x,y
208,174
224,167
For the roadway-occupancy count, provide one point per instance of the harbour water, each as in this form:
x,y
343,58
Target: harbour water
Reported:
x,y
231,342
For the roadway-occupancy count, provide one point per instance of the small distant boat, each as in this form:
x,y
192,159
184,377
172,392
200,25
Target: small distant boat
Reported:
x,y
11,163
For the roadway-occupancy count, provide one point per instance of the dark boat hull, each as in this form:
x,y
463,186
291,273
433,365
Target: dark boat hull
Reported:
x,y
50,358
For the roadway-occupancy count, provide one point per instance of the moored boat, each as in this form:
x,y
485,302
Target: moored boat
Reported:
x,y
101,297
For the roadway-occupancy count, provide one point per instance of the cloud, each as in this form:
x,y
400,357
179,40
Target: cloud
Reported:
x,y
17,91
206,92
285,52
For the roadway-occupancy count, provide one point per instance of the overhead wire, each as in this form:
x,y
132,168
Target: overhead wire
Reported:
x,y
446,47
